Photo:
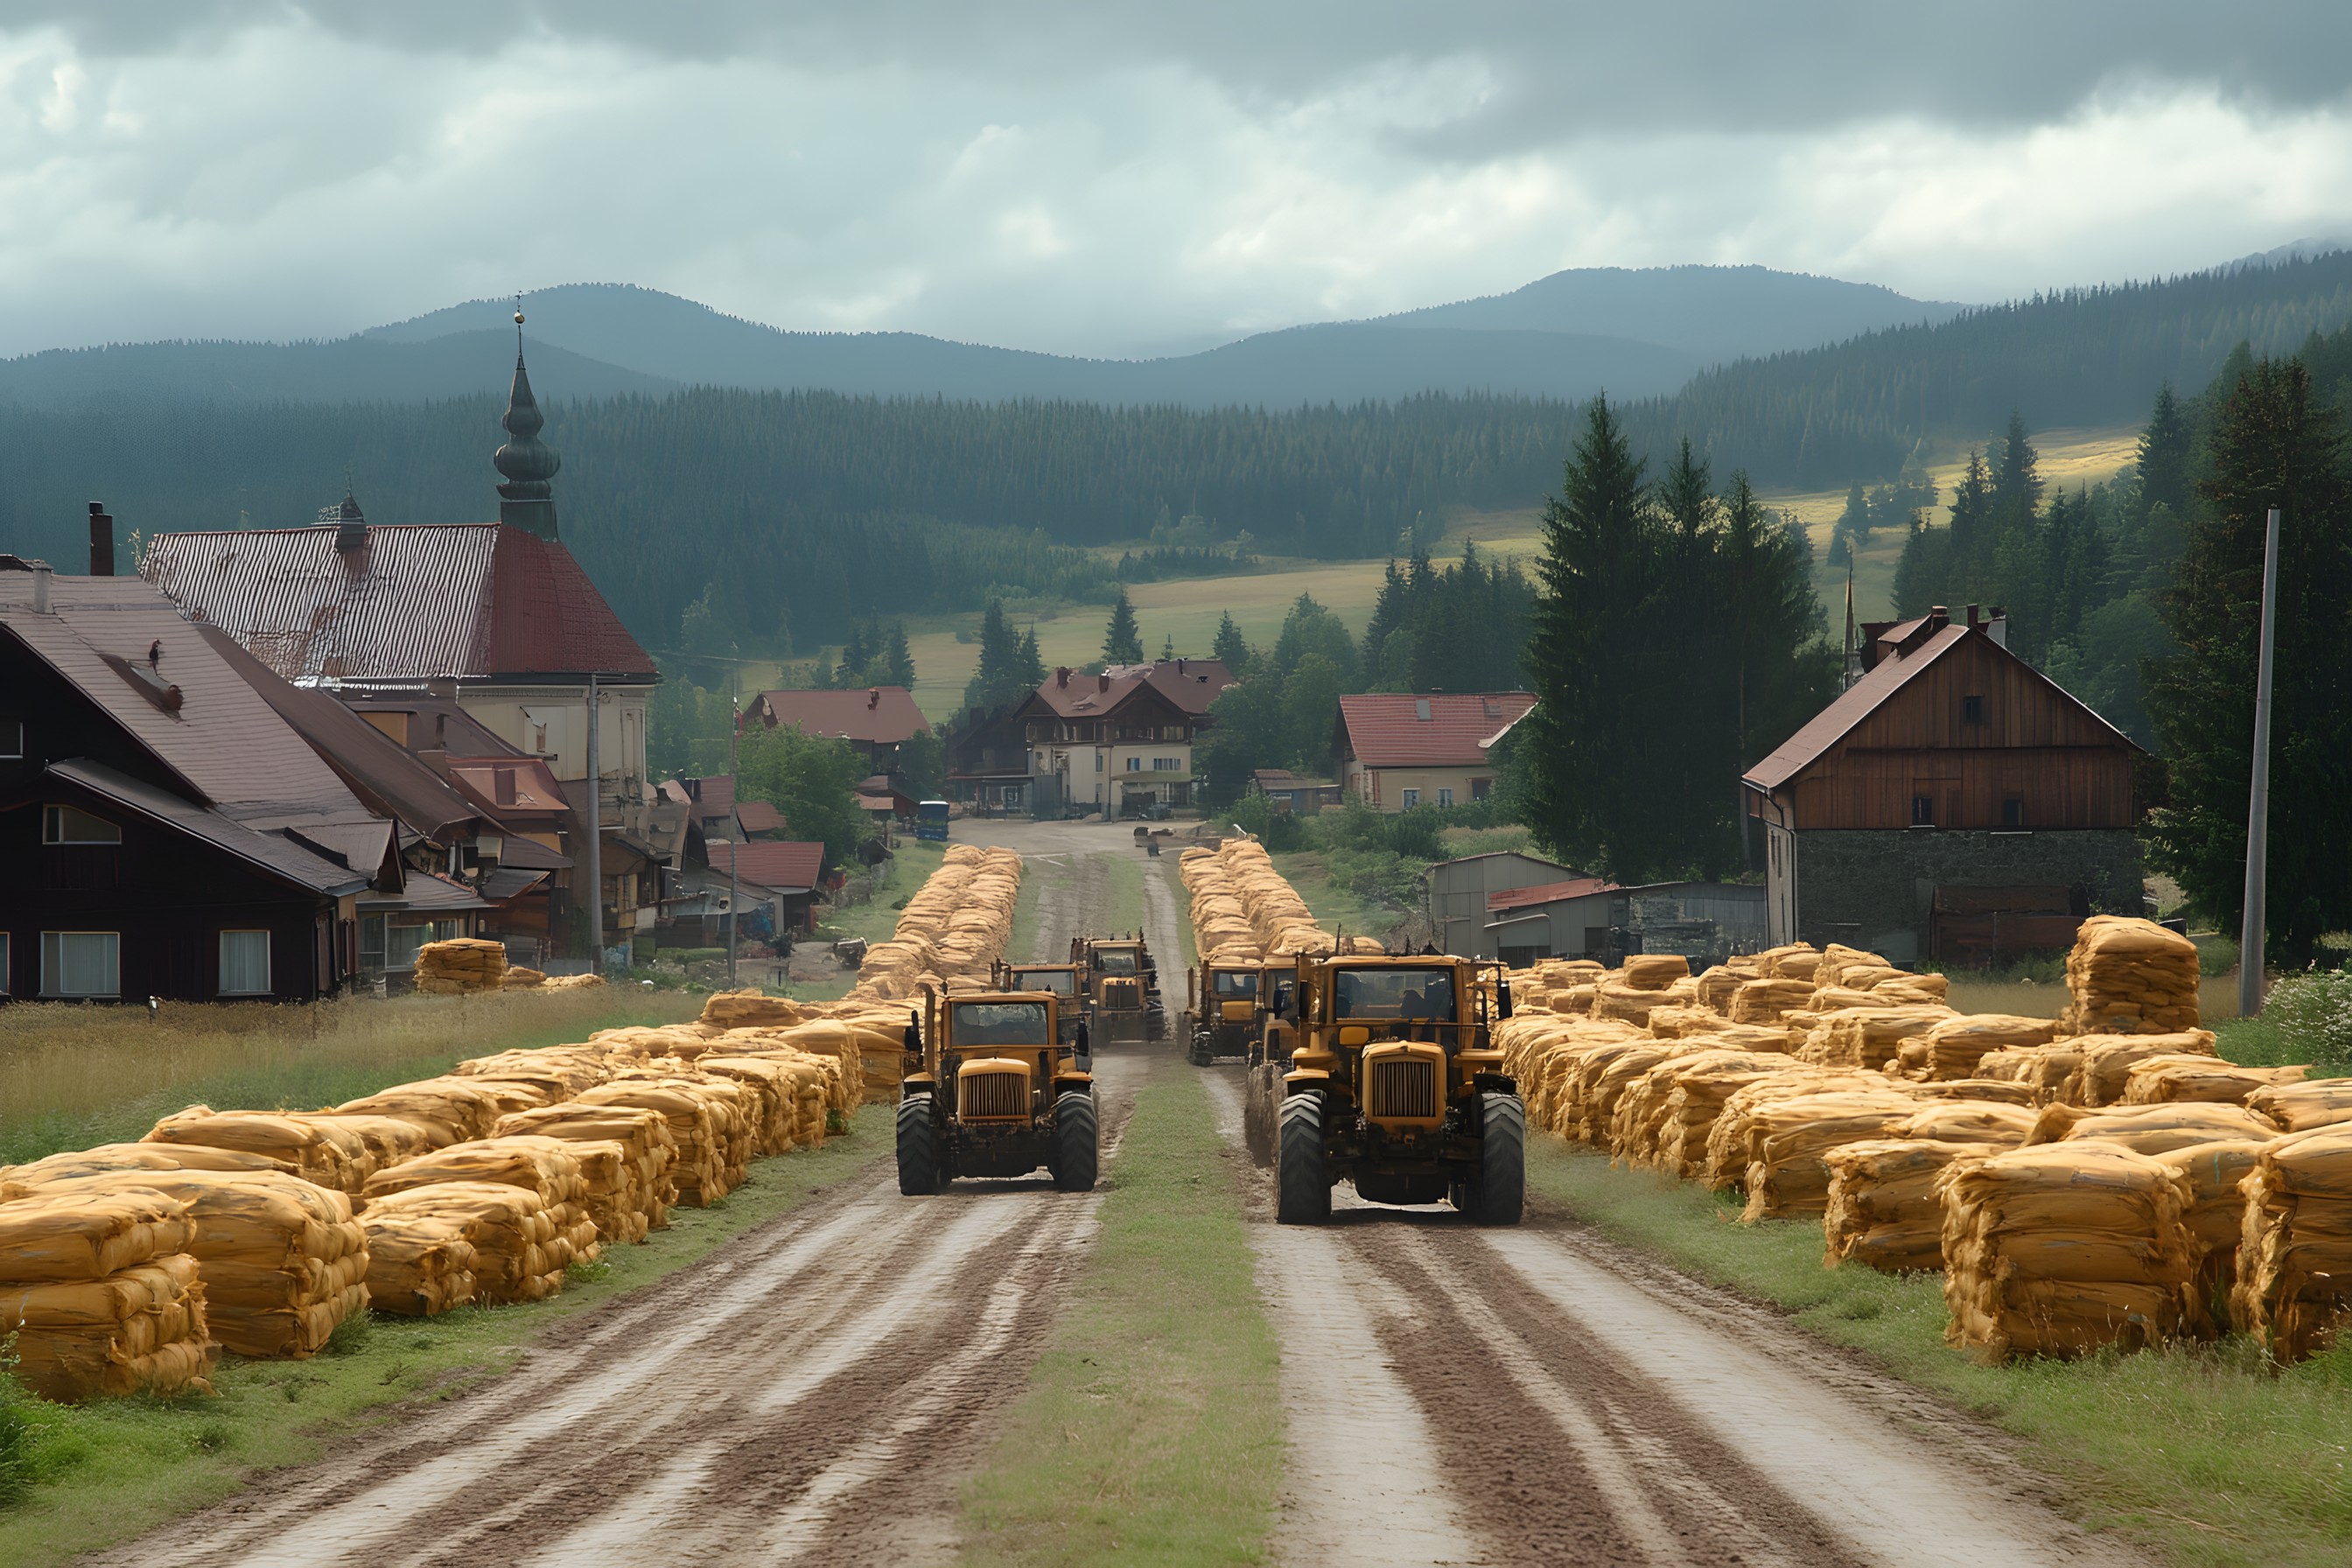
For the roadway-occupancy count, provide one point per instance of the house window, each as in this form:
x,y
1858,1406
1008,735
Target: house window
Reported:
x,y
372,944
1971,710
1412,798
1098,762
1445,798
1167,764
64,824
2013,813
1481,788
244,963
1922,811
12,737
81,964
1135,764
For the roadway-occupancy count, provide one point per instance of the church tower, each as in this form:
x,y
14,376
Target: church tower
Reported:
x,y
527,500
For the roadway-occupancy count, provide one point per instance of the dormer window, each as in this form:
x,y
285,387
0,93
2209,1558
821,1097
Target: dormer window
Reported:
x,y
68,825
12,738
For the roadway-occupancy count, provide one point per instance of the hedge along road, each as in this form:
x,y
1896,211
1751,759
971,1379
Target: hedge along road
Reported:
x,y
817,1389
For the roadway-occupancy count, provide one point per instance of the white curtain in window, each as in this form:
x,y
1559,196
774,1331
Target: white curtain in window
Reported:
x,y
80,962
244,963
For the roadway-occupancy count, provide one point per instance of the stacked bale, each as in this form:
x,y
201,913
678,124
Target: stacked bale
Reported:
x,y
1785,1176
102,1293
2215,1176
2059,1249
698,1168
2128,976
1866,1038
107,1158
519,977
2301,1107
2149,1128
454,1110
2209,1079
570,1069
549,1168
2295,1256
420,1264
1769,1001
2106,1061
1952,1047
282,1260
573,982
460,965
1883,1209
509,1231
318,1149
639,1204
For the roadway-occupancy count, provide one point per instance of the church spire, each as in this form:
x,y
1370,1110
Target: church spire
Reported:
x,y
527,500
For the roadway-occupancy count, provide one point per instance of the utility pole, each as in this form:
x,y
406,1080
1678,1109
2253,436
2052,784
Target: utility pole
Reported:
x,y
734,729
2258,801
595,837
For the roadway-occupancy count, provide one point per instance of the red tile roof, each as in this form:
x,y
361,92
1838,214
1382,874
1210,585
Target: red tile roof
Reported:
x,y
1548,892
786,868
712,796
1191,683
529,787
759,816
882,715
1389,730
474,599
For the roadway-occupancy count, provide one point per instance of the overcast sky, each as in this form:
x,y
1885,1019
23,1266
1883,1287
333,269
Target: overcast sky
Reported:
x,y
1111,177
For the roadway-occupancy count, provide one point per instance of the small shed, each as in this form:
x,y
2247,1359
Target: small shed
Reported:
x,y
1459,891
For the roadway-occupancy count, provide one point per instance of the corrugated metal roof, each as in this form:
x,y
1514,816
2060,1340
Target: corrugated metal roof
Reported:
x,y
1398,730
1548,892
468,600
272,853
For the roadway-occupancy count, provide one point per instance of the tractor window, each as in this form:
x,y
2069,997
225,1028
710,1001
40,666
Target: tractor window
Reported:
x,y
1393,994
1055,980
1001,1024
1283,988
1235,985
1119,961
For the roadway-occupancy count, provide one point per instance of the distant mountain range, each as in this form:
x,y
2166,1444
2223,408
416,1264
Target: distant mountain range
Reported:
x,y
1634,334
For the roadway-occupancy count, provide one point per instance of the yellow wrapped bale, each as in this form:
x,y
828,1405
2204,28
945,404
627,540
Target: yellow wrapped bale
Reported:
x,y
2107,1060
49,1237
2168,1080
1882,1210
419,1265
1787,1177
110,1157
2149,1128
2216,1218
2128,976
452,1110
1954,1046
638,1203
1866,1038
1769,1001
518,1244
752,1009
460,965
141,1329
2301,1106
2294,1253
318,1149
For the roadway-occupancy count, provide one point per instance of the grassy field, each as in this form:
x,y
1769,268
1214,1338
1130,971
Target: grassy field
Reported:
x,y
71,1076
2205,1452
1151,1431
2217,996
104,1471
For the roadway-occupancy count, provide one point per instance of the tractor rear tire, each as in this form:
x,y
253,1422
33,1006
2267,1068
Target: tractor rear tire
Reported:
x,y
1303,1189
1258,1114
1076,1148
918,1147
1499,1195
1203,1048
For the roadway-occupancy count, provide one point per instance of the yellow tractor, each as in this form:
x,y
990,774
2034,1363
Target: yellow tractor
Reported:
x,y
1394,1086
1269,1058
1061,979
1120,985
1224,1014
994,1091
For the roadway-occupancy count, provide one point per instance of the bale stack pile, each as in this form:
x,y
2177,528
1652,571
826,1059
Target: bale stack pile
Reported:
x,y
460,965
952,929
2301,1107
509,1231
1883,1209
102,1293
638,1202
547,1168
317,1148
454,1110
2209,1079
2294,1292
2128,976
698,1170
1952,1047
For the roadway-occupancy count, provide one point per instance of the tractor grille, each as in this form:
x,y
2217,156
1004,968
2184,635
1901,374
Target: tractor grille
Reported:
x,y
1119,993
1400,1089
993,1097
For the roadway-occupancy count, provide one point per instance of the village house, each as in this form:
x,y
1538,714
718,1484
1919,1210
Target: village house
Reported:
x,y
496,618
1121,739
1953,804
988,760
1398,751
876,720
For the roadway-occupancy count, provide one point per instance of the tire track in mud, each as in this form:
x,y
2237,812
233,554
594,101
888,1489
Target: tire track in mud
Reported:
x,y
1559,1398
816,1388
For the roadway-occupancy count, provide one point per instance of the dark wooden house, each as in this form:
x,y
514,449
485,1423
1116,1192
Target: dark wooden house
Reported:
x,y
1953,803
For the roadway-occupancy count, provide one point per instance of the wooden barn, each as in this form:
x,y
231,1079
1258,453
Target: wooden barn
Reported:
x,y
1953,804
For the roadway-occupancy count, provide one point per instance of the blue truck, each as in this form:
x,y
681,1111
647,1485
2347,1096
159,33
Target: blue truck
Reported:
x,y
931,820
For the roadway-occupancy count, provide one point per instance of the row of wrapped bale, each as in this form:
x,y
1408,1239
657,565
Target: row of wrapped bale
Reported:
x,y
1245,911
2293,1285
519,1249
460,965
102,1293
952,929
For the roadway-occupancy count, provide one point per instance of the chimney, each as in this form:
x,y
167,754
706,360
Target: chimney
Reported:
x,y
1938,618
41,575
101,542
1998,626
1102,681
873,697
1972,617
1062,675
350,533
1179,667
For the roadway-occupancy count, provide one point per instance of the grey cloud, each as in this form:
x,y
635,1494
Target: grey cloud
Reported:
x,y
1559,70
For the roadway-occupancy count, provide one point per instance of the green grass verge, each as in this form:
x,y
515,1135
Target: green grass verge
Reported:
x,y
105,1471
1152,1428
1125,892
1186,948
1335,908
2203,1452
1022,943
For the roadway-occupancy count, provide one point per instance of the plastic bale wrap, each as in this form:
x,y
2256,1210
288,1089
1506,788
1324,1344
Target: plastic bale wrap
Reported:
x,y
698,1170
2149,1128
2301,1107
1866,1037
1674,1023
641,1203
283,1261
141,1329
2062,1249
1602,1077
419,1265
740,1009
460,965
512,1231
1734,1141
1769,1001
1787,1178
1626,1004
2128,976
1882,1210
2107,1060
318,1149
1954,1046
387,1140
1702,1085
453,1109
776,1099
2295,1252
550,1168
1655,972
1798,962
110,1157
1985,1125
2216,1217
2170,1080
1638,1115
570,1068
1718,984
1653,1120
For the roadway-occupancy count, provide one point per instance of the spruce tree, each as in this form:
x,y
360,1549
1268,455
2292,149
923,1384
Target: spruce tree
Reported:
x,y
1122,640
1026,662
898,657
2164,460
1229,648
2273,443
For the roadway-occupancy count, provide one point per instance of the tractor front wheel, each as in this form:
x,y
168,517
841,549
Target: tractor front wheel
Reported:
x,y
1500,1192
1303,1188
1076,1149
918,1147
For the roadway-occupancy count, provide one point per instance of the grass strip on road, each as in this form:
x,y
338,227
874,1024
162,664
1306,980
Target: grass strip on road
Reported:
x,y
2202,1451
103,1472
1126,894
1152,1431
